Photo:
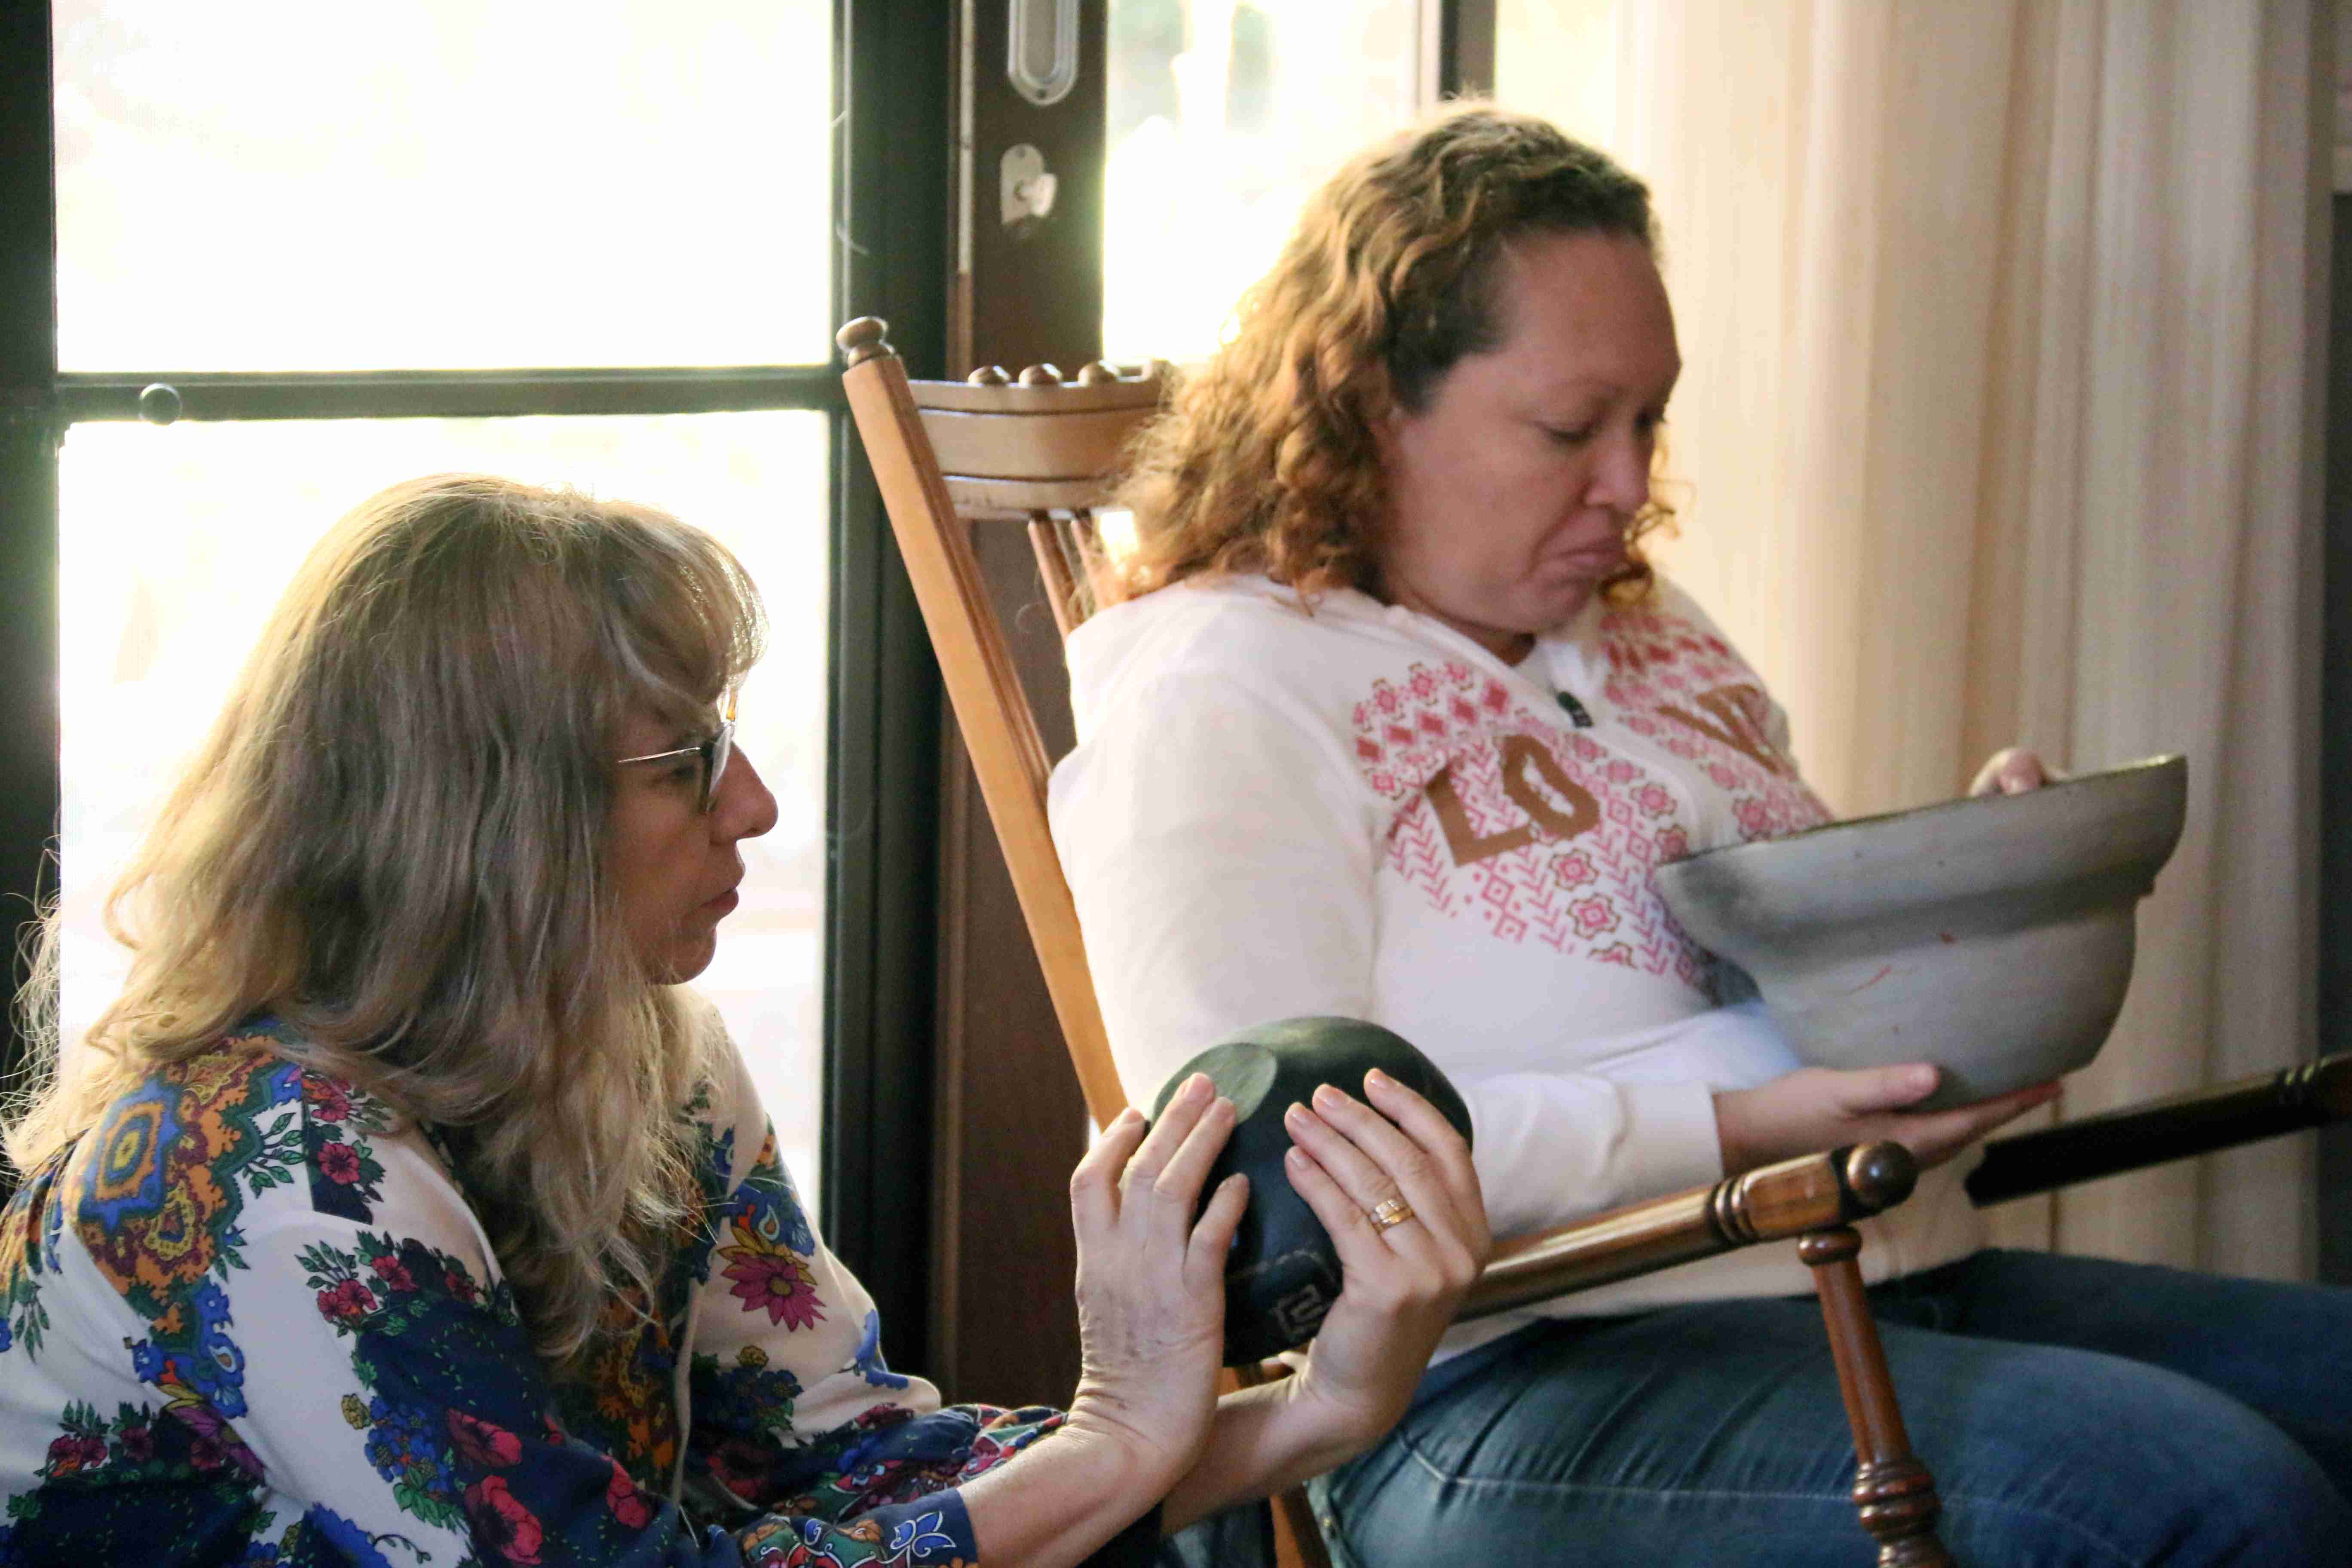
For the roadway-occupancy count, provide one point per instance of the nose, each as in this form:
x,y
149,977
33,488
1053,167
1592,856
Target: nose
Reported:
x,y
1621,478
743,808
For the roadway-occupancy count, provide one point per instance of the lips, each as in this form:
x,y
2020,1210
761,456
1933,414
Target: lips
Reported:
x,y
1586,563
1588,545
724,904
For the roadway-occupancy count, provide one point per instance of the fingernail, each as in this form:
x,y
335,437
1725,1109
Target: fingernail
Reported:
x,y
1379,1078
1296,1156
1221,1103
1298,1115
1326,1098
1197,1086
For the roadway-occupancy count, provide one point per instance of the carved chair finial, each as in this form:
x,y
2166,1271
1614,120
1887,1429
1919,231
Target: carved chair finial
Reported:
x,y
865,338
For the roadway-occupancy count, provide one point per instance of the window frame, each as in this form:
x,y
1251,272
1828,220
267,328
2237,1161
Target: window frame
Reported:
x,y
1010,1121
30,427
889,194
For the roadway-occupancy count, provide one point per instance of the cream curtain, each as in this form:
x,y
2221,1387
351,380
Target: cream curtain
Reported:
x,y
2003,325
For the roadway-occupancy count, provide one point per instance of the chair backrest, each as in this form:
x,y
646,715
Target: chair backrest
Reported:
x,y
1035,451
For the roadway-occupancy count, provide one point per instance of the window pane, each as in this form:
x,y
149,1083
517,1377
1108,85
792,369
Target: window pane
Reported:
x,y
1559,59
177,541
278,184
1224,116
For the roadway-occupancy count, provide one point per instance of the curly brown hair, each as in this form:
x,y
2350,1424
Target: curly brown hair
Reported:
x,y
1266,461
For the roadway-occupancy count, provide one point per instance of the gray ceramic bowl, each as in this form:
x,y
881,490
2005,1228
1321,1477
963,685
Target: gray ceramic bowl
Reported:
x,y
1990,936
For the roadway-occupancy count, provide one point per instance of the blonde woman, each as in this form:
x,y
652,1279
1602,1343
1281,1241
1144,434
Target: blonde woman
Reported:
x,y
404,1209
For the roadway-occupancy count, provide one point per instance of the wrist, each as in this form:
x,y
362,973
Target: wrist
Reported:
x,y
1135,1441
1267,1438
1322,1426
1061,1498
1728,1140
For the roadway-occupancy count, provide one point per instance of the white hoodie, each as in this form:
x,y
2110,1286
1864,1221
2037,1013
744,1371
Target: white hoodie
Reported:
x,y
1359,811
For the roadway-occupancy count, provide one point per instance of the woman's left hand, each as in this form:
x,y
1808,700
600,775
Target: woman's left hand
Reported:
x,y
1402,1282
2012,770
1813,1109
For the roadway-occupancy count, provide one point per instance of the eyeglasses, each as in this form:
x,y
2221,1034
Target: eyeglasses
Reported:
x,y
714,754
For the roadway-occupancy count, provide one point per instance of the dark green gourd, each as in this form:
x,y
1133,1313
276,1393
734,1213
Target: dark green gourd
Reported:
x,y
1283,1273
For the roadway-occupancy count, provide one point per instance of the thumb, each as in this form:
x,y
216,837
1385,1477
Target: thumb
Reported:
x,y
1889,1089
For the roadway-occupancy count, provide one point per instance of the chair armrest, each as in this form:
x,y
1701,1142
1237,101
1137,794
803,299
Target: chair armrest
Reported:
x,y
1772,1202
2198,1123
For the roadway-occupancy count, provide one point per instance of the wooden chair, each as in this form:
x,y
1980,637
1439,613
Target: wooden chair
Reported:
x,y
1037,451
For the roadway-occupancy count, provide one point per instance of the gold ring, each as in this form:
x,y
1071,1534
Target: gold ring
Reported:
x,y
1390,1213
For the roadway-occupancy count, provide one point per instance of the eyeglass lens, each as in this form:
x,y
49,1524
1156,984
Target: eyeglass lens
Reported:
x,y
722,747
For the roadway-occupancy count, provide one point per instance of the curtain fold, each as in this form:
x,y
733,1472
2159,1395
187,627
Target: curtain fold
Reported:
x,y
2004,323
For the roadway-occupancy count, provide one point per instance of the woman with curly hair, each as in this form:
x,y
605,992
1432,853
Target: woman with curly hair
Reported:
x,y
405,1209
1394,721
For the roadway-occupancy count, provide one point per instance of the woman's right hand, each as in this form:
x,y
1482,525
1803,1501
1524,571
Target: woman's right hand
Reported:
x,y
1813,1110
1401,1281
1152,1297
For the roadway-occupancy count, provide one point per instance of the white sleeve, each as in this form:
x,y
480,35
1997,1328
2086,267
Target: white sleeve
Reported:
x,y
1221,854
1556,1147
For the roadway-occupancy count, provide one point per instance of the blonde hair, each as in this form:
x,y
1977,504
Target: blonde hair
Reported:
x,y
1267,459
393,839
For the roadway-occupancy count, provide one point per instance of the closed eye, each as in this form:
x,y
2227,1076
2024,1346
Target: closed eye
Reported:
x,y
1574,435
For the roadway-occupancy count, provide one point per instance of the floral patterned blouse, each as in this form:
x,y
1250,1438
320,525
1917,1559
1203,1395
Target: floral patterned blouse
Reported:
x,y
248,1319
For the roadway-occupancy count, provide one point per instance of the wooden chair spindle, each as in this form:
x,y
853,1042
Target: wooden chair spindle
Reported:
x,y
1054,569
1892,1489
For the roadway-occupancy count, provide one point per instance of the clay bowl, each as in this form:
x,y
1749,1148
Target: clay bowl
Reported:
x,y
1991,936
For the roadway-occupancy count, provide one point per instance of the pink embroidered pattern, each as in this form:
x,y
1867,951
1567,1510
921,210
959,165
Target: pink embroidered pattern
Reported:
x,y
1682,687
1531,829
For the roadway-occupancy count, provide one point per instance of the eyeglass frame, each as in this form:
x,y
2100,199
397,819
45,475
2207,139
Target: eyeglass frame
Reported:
x,y
715,751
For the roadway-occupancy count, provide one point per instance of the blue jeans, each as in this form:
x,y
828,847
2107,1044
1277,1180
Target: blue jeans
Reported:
x,y
2071,1410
